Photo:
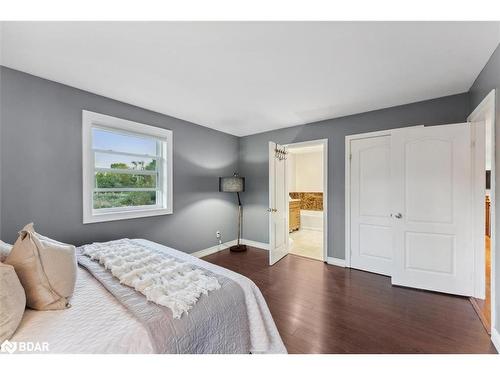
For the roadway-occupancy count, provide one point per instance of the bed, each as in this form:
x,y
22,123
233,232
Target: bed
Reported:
x,y
98,322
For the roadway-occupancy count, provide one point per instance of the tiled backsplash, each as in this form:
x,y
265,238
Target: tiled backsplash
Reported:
x,y
309,201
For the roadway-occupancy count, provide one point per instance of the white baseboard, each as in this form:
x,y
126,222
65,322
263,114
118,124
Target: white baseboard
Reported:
x,y
226,245
213,249
260,245
335,261
495,339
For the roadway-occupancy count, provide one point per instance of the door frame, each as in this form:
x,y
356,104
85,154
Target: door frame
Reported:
x,y
348,139
487,106
324,143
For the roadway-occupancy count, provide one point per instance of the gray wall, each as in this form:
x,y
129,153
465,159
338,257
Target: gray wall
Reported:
x,y
41,169
488,80
254,158
0,138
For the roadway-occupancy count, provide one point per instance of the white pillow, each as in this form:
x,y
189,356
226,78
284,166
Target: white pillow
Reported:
x,y
5,249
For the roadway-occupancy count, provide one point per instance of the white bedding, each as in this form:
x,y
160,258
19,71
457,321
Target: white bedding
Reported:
x,y
98,323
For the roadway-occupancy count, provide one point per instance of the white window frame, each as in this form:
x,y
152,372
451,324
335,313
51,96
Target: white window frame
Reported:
x,y
91,120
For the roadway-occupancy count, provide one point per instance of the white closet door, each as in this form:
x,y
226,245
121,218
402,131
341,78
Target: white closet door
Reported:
x,y
432,208
371,232
278,203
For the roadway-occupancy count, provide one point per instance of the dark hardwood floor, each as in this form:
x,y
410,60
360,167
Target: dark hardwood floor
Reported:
x,y
320,308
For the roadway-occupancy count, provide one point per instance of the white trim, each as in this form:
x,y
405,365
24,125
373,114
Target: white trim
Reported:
x,y
143,172
124,126
335,261
92,119
214,249
495,339
324,146
104,190
121,153
260,245
478,207
270,151
379,133
348,139
487,106
226,245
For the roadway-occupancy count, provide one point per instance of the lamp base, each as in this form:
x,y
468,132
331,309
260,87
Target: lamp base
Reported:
x,y
238,248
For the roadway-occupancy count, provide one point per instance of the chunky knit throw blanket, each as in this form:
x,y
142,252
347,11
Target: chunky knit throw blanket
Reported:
x,y
163,279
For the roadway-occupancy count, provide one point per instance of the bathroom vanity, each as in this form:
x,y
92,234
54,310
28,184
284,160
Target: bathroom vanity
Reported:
x,y
294,215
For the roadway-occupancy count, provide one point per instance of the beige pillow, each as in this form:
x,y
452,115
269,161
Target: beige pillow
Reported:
x,y
5,249
12,302
46,268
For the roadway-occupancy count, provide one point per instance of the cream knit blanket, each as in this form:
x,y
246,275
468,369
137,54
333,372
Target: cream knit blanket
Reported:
x,y
163,279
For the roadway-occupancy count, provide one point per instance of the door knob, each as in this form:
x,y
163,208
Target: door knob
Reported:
x,y
398,216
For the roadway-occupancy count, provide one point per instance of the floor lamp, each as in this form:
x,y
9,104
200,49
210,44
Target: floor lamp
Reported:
x,y
234,184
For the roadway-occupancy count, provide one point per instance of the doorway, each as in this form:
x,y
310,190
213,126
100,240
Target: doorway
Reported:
x,y
298,196
482,120
306,188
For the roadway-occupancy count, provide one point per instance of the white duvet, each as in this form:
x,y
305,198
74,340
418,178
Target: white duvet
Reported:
x,y
98,323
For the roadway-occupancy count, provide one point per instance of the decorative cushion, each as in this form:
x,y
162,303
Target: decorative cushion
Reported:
x,y
12,301
5,249
46,268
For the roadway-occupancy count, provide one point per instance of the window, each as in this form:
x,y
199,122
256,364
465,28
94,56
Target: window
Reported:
x,y
127,169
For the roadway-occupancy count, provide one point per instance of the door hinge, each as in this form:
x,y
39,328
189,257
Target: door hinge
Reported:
x,y
350,157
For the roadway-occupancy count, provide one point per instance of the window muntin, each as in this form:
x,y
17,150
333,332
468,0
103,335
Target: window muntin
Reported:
x,y
107,160
111,180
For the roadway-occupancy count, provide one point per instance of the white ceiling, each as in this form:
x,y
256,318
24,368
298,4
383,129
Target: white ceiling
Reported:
x,y
248,77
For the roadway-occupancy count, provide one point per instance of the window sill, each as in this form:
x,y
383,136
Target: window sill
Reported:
x,y
90,218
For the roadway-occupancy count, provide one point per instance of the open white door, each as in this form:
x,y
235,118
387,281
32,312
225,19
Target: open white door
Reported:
x,y
432,208
278,203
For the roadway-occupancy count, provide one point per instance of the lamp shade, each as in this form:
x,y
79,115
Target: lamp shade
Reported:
x,y
233,184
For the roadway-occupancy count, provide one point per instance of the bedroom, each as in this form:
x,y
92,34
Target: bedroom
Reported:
x,y
147,206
